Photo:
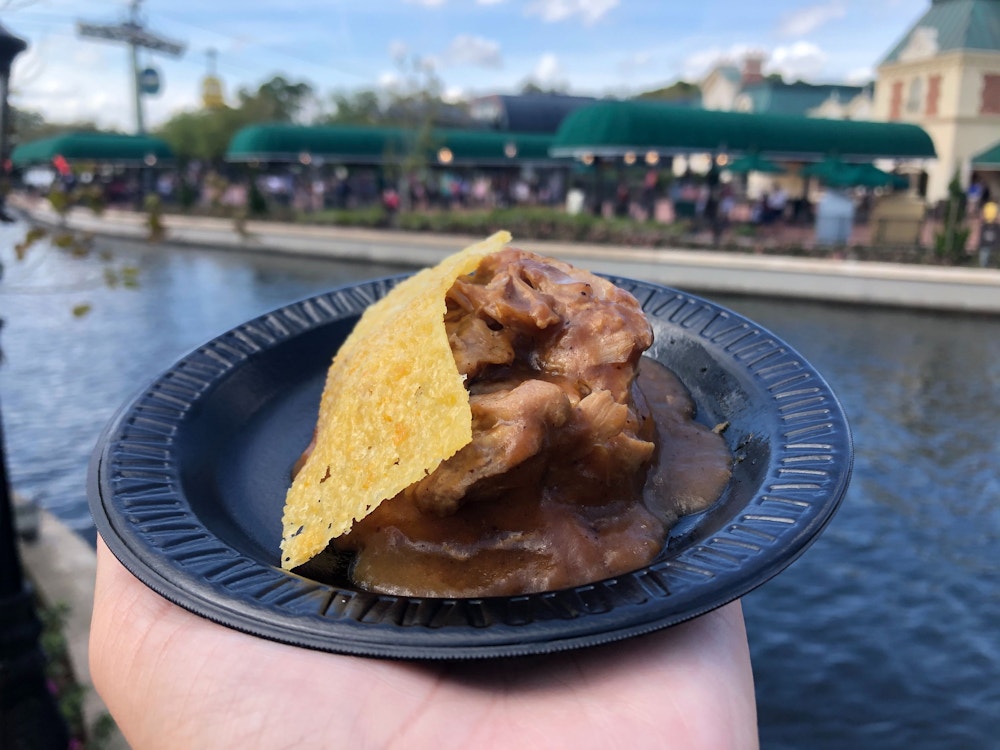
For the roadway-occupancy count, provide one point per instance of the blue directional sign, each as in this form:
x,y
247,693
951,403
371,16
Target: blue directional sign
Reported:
x,y
149,81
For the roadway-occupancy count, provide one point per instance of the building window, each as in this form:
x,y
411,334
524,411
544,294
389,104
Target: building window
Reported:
x,y
933,94
990,102
896,100
915,95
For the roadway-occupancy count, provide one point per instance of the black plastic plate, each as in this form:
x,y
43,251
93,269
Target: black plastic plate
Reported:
x,y
187,487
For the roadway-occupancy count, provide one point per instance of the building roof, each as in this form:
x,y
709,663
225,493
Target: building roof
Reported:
x,y
526,113
728,71
950,25
778,98
112,148
615,128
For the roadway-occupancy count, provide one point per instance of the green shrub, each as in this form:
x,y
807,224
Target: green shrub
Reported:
x,y
256,202
950,241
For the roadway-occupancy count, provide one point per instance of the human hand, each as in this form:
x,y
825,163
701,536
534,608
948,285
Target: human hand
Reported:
x,y
172,679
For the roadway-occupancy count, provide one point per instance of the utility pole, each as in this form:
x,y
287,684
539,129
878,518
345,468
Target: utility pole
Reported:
x,y
136,36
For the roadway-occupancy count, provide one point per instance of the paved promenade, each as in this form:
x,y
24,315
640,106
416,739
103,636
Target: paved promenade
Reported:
x,y
845,281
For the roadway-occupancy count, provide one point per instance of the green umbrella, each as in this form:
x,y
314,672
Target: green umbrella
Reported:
x,y
836,173
754,163
831,171
868,175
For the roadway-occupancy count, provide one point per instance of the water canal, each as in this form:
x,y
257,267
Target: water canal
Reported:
x,y
883,635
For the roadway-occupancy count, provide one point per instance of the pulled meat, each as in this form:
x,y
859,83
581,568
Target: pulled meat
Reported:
x,y
550,356
549,493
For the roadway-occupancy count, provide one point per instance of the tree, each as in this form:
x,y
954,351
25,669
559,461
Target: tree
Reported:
x,y
414,104
363,107
677,91
532,87
28,125
205,134
277,100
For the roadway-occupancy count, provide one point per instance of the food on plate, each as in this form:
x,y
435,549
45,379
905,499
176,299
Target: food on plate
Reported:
x,y
491,428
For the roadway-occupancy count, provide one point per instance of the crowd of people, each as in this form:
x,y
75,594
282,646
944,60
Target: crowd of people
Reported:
x,y
715,203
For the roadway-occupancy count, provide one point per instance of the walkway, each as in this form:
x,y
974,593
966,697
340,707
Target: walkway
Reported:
x,y
834,280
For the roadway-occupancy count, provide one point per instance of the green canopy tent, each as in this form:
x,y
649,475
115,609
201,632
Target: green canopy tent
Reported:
x,y
837,173
289,143
832,171
107,148
376,145
868,175
754,163
988,160
614,128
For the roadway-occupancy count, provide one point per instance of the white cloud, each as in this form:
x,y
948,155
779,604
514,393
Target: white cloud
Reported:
x,y
62,85
697,66
860,76
388,80
398,51
454,94
466,49
635,62
589,11
801,60
806,20
548,72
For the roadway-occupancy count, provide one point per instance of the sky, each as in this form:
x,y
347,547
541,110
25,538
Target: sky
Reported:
x,y
474,47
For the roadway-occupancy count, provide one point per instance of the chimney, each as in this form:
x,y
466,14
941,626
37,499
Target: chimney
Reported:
x,y
753,65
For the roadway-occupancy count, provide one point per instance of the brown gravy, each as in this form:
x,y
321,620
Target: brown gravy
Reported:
x,y
542,538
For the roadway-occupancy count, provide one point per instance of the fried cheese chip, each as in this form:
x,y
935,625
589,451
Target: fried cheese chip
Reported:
x,y
394,407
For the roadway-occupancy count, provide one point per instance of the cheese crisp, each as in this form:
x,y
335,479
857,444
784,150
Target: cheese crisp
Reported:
x,y
393,408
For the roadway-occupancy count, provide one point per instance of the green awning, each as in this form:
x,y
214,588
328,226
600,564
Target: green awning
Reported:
x,y
108,148
988,159
619,127
373,145
266,143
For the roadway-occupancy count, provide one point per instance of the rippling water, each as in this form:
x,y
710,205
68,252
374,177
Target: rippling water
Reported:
x,y
883,635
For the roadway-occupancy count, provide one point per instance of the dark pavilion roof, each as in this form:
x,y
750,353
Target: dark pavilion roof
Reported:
x,y
526,113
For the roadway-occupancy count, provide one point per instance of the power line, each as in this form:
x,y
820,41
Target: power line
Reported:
x,y
270,48
136,36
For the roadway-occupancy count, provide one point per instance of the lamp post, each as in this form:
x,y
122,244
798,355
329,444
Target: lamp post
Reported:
x,y
10,47
29,717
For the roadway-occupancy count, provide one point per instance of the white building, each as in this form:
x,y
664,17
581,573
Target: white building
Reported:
x,y
944,75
